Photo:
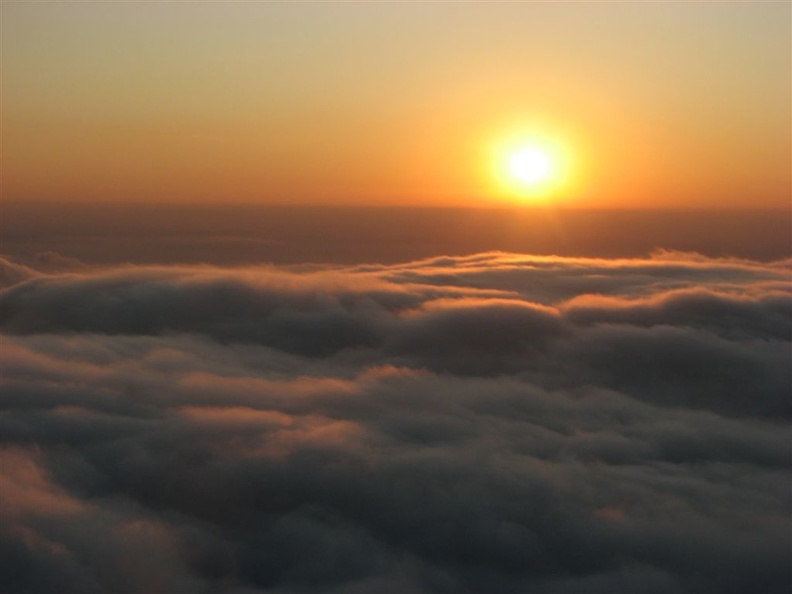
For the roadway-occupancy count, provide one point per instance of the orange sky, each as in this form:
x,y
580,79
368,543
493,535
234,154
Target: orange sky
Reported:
x,y
652,105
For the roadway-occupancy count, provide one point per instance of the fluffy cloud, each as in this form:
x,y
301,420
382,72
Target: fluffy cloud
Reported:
x,y
491,423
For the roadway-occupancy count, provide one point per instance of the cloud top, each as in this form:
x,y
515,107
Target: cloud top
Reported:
x,y
497,422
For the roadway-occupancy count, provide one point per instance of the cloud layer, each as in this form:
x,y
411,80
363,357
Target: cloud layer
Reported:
x,y
491,423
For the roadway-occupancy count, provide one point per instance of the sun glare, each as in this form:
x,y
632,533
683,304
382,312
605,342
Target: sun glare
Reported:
x,y
531,167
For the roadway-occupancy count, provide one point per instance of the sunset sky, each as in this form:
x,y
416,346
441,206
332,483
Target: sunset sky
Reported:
x,y
637,105
395,297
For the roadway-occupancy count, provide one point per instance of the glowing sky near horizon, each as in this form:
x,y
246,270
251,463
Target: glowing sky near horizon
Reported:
x,y
656,104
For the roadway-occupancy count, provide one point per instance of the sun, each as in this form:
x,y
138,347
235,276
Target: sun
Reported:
x,y
530,166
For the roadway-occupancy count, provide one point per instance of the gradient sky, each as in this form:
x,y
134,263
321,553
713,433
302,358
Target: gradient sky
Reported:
x,y
654,104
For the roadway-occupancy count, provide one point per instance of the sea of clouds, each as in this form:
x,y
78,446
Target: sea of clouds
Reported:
x,y
497,423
